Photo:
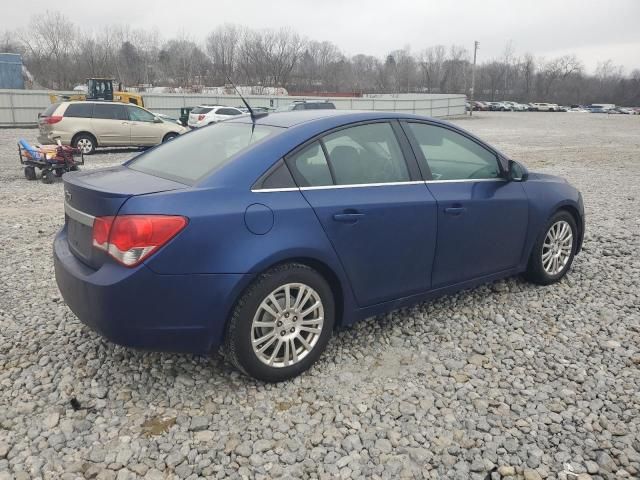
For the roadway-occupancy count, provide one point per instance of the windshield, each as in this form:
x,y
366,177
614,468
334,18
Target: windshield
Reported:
x,y
189,157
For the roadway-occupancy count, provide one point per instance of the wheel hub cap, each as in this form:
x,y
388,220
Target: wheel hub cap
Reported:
x,y
557,247
287,325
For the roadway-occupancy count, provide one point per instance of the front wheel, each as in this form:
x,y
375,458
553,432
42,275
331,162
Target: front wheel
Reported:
x,y
554,250
282,324
169,136
30,173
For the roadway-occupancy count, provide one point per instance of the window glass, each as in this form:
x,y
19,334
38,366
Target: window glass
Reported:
x,y
50,109
452,156
279,177
109,111
201,110
191,156
229,111
311,166
139,115
366,154
79,110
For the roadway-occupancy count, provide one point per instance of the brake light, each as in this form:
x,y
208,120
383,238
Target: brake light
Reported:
x,y
132,238
53,119
200,117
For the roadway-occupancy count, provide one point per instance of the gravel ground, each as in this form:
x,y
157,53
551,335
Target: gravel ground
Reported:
x,y
508,380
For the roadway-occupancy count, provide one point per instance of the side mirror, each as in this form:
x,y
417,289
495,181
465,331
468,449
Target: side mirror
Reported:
x,y
516,172
157,120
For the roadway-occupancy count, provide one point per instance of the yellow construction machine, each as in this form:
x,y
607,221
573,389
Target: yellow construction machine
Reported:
x,y
100,89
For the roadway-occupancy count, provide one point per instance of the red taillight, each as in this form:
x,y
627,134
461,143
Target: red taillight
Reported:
x,y
200,117
132,238
53,119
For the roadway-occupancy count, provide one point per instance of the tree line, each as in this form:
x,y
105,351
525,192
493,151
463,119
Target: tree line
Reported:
x,y
60,56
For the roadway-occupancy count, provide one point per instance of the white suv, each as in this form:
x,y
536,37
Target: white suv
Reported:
x,y
208,114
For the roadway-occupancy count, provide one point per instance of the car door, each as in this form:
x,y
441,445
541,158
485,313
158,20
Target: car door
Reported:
x,y
144,129
110,124
379,217
482,217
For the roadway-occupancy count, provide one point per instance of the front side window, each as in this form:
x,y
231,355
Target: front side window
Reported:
x,y
139,115
109,111
452,156
311,167
189,157
366,154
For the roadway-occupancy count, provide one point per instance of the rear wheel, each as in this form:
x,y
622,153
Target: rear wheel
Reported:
x,y
85,143
30,173
554,250
282,324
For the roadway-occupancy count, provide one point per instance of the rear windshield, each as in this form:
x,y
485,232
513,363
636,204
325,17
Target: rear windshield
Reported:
x,y
201,110
192,156
50,109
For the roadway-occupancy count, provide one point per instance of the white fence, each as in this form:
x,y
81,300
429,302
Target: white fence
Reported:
x,y
21,107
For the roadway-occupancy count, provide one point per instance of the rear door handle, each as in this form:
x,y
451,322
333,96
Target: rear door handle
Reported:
x,y
347,217
455,210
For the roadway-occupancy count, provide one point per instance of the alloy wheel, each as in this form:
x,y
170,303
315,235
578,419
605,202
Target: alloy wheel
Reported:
x,y
557,246
85,145
287,325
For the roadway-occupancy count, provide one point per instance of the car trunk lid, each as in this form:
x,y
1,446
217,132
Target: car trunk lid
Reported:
x,y
102,193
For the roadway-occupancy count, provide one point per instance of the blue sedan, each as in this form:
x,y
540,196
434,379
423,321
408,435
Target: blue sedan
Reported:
x,y
264,234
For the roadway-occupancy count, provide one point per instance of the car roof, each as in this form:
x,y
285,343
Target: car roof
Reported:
x,y
330,118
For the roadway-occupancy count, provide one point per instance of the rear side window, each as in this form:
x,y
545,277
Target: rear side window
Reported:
x,y
80,110
201,110
189,157
452,156
110,111
50,109
311,167
228,111
326,106
366,154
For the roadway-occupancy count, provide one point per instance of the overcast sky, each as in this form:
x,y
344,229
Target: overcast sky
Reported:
x,y
595,30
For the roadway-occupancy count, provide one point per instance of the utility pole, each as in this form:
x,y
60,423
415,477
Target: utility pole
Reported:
x,y
473,77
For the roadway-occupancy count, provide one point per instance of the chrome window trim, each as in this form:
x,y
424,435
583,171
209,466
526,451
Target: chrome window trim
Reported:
x,y
361,185
467,180
78,216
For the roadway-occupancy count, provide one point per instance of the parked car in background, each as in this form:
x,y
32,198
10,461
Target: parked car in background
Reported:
x,y
624,111
577,109
480,106
263,237
546,107
208,114
88,125
497,107
308,105
531,107
598,109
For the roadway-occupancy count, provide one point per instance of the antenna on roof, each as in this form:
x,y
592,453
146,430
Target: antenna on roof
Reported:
x,y
246,104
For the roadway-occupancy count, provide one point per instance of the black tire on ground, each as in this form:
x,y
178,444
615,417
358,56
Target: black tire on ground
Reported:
x,y
47,176
74,168
238,341
58,172
169,136
85,142
535,270
30,173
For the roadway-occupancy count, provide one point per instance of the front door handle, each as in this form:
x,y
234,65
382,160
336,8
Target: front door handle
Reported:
x,y
455,210
347,217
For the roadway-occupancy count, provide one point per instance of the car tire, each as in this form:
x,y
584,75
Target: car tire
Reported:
x,y
554,250
85,143
169,136
292,340
30,173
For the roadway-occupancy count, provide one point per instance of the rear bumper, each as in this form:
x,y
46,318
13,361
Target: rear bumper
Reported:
x,y
50,138
139,308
